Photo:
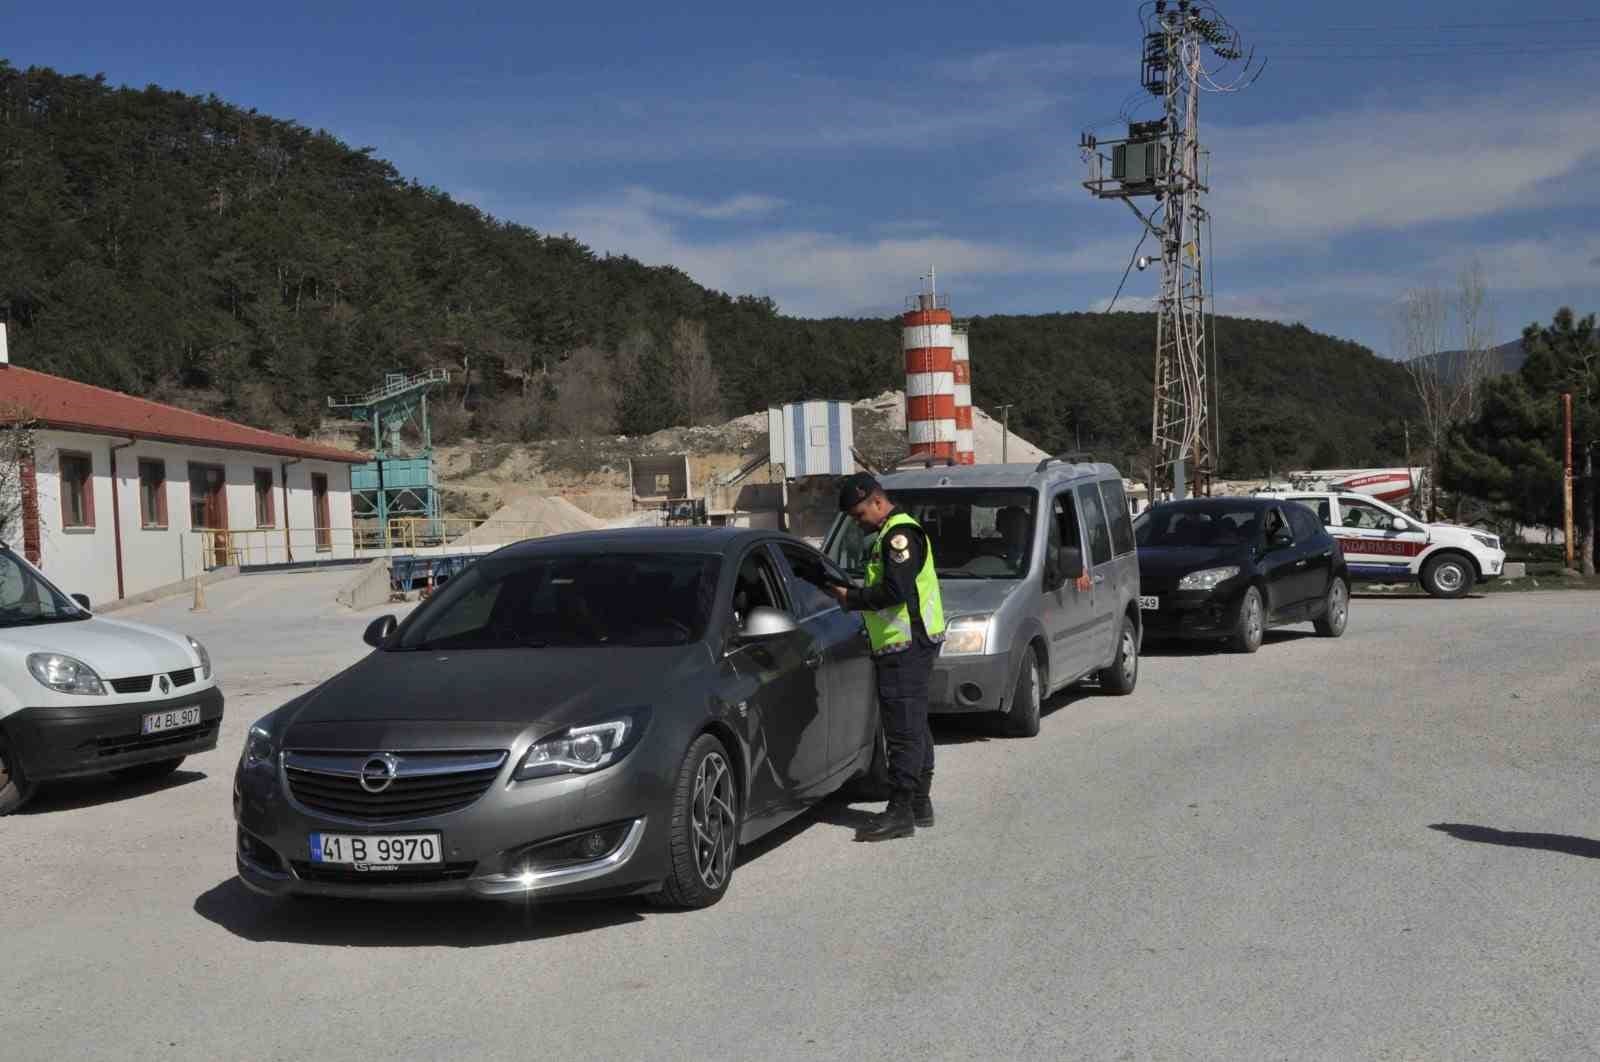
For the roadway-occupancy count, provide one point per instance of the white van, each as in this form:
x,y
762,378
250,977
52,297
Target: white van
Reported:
x,y
83,695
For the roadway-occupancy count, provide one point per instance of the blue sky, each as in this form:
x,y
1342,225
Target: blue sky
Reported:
x,y
825,154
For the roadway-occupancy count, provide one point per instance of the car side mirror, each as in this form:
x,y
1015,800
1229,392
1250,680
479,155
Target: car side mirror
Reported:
x,y
1400,523
82,599
763,625
1280,539
378,631
1063,564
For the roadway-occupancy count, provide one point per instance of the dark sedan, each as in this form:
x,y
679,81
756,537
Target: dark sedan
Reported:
x,y
606,713
1226,569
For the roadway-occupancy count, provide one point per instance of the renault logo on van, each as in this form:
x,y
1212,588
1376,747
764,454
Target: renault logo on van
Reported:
x,y
166,686
378,773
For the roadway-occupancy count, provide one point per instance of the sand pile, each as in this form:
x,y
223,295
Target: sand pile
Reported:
x,y
530,518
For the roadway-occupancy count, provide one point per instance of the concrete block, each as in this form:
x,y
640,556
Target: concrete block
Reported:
x,y
1513,570
368,588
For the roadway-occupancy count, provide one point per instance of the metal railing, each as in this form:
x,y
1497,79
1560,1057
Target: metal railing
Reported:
x,y
390,389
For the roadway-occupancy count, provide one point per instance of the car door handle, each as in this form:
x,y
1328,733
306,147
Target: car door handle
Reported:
x,y
1099,579
1301,563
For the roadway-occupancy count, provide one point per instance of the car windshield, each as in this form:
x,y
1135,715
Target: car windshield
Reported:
x,y
572,601
26,598
975,534
1198,525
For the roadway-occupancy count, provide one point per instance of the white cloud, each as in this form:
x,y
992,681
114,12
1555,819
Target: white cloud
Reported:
x,y
738,206
812,273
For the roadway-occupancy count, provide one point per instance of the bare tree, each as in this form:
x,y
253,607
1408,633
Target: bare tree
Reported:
x,y
1449,384
16,446
695,388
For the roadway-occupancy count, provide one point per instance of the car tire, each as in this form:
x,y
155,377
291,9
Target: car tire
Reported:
x,y
1027,700
1123,675
1336,610
15,789
704,828
148,772
1448,575
1251,626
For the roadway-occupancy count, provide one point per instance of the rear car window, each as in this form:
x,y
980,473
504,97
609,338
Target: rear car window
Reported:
x,y
1121,519
1094,523
974,534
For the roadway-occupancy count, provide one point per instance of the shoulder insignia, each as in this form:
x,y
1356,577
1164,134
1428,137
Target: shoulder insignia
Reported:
x,y
900,543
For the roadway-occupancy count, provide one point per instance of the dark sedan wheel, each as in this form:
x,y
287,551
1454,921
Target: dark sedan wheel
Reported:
x,y
1028,698
705,827
1336,613
1448,575
14,788
149,772
1252,624
1123,675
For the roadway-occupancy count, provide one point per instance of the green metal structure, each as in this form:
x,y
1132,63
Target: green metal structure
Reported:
x,y
400,482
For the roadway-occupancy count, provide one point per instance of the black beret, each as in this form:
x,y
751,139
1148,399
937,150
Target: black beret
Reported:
x,y
855,490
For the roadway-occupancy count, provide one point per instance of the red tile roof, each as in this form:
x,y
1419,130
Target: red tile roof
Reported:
x,y
56,402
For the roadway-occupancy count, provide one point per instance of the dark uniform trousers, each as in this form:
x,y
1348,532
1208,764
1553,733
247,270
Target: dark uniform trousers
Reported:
x,y
903,680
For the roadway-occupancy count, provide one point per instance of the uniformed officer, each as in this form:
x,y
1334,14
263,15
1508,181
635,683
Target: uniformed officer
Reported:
x,y
904,616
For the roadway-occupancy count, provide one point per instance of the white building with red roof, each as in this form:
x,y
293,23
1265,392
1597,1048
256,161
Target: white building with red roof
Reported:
x,y
123,495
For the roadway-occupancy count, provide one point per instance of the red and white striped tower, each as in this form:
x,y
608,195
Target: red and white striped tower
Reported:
x,y
930,376
961,364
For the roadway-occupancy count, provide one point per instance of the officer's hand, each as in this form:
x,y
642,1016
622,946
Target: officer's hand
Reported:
x,y
838,593
1084,583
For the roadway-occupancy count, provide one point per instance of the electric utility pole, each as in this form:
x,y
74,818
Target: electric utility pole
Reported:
x,y
1189,48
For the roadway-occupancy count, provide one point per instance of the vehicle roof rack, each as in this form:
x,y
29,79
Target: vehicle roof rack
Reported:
x,y
1072,457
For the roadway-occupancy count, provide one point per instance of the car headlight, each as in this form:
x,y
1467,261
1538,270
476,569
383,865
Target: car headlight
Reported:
x,y
967,636
1487,541
65,674
258,746
1209,579
205,657
582,749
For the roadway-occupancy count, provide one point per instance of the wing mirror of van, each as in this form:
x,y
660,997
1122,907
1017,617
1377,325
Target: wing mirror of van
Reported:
x,y
83,600
1400,523
378,631
1062,565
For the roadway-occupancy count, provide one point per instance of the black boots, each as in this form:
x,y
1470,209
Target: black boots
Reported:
x,y
922,810
895,821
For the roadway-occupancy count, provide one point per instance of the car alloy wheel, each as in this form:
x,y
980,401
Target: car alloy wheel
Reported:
x,y
1333,621
1130,657
1251,628
712,820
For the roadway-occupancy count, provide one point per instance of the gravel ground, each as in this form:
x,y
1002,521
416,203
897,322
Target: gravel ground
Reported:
x,y
1381,847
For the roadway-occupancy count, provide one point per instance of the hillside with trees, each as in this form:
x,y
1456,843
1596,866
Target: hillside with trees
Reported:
x,y
182,248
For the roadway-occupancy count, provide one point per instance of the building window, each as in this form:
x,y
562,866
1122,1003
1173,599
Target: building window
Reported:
x,y
153,494
77,490
265,510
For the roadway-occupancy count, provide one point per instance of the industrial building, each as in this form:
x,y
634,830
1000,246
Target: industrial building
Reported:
x,y
121,495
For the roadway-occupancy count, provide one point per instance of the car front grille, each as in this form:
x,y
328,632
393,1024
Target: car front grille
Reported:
x,y
424,783
143,683
119,744
397,876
